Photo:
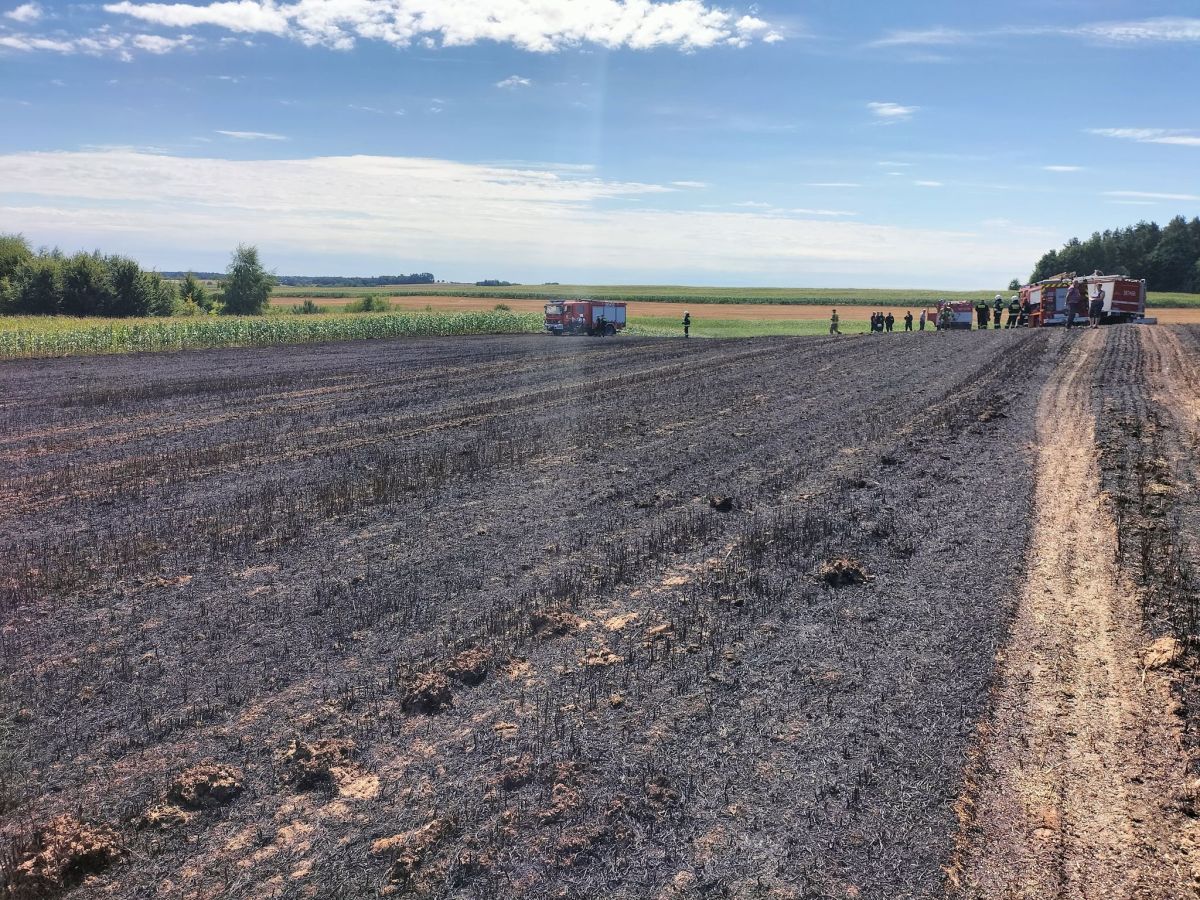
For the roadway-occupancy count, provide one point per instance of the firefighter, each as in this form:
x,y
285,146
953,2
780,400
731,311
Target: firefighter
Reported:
x,y
889,321
1026,312
923,317
1014,311
833,323
945,317
687,323
908,321
997,309
981,314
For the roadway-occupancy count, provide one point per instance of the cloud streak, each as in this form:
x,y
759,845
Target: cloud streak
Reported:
x,y
1177,137
252,135
1162,30
536,25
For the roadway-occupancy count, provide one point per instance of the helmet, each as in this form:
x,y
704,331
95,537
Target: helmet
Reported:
x,y
1016,297
998,297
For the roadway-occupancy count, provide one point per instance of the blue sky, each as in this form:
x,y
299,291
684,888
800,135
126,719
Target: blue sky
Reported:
x,y
824,143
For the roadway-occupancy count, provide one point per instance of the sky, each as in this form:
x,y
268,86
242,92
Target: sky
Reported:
x,y
815,143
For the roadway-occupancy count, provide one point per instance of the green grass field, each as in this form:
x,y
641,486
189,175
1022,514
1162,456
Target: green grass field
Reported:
x,y
697,295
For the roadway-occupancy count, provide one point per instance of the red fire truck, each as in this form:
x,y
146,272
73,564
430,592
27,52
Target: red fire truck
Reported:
x,y
590,317
1124,297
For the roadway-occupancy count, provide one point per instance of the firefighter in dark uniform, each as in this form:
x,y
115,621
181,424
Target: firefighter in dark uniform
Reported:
x,y
908,321
1026,311
1014,311
997,308
687,322
981,314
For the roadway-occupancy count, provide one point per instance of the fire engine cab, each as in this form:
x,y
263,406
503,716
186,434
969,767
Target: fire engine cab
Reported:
x,y
590,317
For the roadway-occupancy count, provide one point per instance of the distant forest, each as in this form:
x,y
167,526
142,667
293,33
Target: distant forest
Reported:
x,y
322,280
1168,257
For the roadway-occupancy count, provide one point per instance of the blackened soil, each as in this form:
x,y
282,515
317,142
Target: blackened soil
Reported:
x,y
211,557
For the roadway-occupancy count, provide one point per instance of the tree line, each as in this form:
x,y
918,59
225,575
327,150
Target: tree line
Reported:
x,y
325,280
49,282
1167,257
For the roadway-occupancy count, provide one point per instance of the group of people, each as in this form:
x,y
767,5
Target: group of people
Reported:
x,y
880,322
1018,312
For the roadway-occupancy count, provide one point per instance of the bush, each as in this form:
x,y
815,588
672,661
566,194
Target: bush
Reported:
x,y
308,308
502,307
369,303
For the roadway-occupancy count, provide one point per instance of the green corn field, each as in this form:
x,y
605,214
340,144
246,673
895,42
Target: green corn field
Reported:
x,y
38,336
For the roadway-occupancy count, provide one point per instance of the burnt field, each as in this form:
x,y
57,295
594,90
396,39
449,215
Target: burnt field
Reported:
x,y
506,617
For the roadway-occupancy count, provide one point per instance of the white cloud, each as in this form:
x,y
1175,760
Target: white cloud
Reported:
x,y
928,183
536,25
514,81
448,213
1151,195
252,135
754,204
891,112
25,13
1062,168
99,42
689,184
158,45
892,164
833,184
1150,135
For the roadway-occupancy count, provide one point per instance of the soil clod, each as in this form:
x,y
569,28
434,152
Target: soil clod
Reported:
x,y
63,853
843,572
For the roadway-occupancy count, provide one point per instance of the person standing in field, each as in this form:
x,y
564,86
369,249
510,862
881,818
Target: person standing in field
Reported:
x,y
1073,300
908,321
1096,308
833,323
1026,311
981,314
944,318
922,328
687,323
997,308
1014,310
889,321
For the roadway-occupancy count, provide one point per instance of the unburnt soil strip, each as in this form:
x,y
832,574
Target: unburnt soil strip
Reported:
x,y
582,650
1081,756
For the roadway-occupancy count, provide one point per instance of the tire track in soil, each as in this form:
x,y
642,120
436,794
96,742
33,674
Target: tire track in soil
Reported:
x,y
1081,752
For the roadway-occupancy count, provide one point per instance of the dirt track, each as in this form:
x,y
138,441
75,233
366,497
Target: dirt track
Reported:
x,y
1083,750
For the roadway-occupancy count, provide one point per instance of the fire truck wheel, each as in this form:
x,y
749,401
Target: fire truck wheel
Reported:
x,y
610,330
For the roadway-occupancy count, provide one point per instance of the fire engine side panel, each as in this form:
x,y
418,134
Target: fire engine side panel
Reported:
x,y
1126,298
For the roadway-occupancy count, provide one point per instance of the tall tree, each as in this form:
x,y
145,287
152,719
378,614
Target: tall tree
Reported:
x,y
130,291
248,288
37,287
86,290
14,253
